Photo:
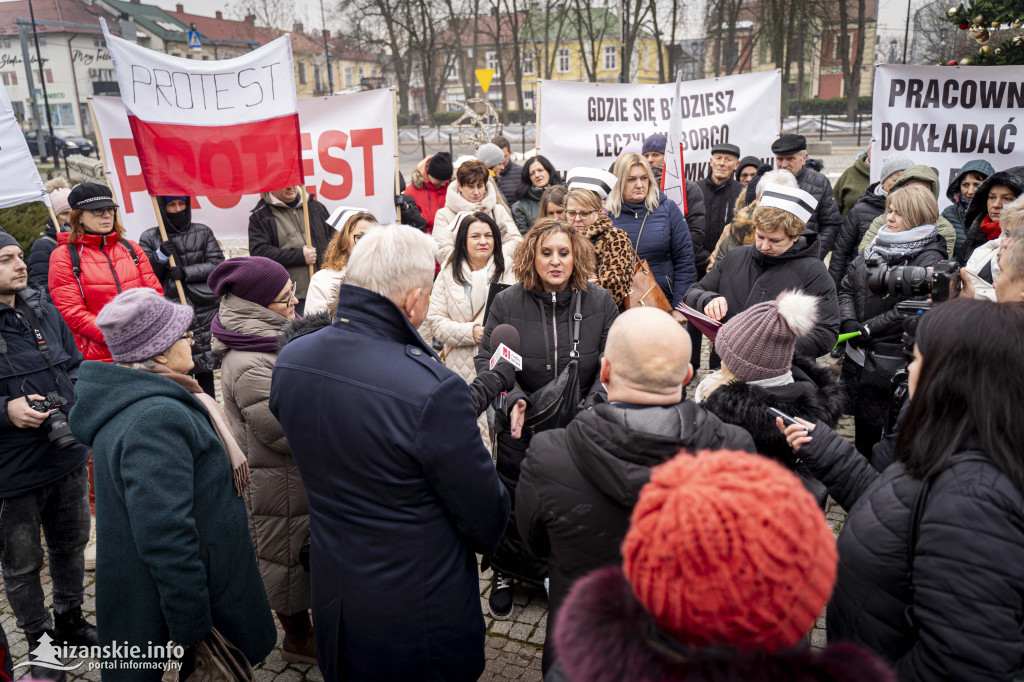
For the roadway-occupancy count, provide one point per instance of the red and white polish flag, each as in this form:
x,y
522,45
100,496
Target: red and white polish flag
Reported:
x,y
211,128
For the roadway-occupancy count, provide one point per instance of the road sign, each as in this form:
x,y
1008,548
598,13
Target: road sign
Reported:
x,y
484,76
194,41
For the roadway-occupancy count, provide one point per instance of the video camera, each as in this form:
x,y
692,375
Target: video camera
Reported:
x,y
940,282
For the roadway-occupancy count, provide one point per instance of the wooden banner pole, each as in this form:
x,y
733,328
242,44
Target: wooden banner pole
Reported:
x,y
305,223
53,217
163,237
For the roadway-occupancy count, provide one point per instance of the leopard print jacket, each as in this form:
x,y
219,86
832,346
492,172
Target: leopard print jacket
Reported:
x,y
615,260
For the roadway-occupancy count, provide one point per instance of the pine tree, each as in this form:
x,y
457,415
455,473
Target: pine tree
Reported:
x,y
983,19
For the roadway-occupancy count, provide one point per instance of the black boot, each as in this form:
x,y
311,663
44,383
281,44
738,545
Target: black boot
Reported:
x,y
39,672
73,628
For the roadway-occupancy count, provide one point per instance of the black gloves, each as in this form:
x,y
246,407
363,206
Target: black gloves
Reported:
x,y
863,340
168,249
176,273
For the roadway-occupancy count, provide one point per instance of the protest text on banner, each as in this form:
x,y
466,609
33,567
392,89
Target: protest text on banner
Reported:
x,y
348,158
944,117
589,124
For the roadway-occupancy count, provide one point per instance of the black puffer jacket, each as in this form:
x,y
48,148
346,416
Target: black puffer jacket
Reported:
x,y
508,181
1012,178
720,201
39,261
545,354
746,277
867,389
858,220
968,586
696,220
814,395
197,253
826,220
263,239
579,484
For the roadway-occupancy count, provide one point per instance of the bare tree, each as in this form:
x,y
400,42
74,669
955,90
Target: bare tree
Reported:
x,y
270,13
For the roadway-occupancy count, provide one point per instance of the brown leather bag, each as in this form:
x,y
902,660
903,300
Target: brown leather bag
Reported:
x,y
217,660
644,290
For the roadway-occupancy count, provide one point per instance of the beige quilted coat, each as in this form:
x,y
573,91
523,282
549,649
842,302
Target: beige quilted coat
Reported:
x,y
455,204
276,500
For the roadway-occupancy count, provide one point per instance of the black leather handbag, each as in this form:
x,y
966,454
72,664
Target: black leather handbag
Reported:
x,y
553,405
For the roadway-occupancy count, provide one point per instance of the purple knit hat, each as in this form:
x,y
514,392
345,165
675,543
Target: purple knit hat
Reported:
x,y
253,278
758,343
140,324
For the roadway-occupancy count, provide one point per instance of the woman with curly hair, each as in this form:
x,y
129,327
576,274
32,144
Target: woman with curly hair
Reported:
x,y
553,266
349,224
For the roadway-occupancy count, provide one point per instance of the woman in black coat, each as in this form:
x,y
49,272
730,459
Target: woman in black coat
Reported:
x,y
782,258
552,266
196,253
909,238
930,554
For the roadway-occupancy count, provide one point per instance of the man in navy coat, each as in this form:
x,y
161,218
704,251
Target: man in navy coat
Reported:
x,y
401,489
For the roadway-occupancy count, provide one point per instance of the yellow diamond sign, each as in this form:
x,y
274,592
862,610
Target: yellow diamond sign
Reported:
x,y
484,76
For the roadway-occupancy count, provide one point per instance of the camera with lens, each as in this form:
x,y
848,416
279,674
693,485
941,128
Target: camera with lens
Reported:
x,y
941,281
56,425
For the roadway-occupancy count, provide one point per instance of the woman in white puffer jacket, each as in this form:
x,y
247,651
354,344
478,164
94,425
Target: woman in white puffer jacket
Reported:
x,y
472,191
457,301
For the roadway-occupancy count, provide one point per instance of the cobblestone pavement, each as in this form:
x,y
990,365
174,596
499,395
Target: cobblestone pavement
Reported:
x,y
514,645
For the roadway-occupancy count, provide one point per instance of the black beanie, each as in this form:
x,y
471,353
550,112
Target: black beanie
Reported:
x,y
440,166
7,239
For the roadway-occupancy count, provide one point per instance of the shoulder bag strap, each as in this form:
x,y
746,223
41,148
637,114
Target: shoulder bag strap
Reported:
x,y
576,317
128,245
76,268
636,249
916,512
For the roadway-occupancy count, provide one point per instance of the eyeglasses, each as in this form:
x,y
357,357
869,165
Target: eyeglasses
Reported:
x,y
571,215
189,336
288,299
100,212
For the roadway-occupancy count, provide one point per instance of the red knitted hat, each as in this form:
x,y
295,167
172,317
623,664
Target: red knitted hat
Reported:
x,y
728,549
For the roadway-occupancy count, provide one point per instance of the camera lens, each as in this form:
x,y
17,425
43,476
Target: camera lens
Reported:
x,y
58,431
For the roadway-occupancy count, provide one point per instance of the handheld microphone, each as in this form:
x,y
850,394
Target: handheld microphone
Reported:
x,y
504,345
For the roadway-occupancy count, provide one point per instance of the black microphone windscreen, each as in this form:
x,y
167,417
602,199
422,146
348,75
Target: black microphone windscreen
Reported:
x,y
505,334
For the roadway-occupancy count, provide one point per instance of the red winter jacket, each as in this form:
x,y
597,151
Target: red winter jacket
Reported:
x,y
107,270
429,200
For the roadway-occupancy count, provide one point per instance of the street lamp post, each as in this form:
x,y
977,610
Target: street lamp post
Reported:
x,y
892,50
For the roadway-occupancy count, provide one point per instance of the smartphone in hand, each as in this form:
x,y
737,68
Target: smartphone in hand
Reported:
x,y
775,412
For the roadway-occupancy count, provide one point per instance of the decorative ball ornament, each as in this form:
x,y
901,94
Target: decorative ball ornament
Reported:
x,y
966,61
951,62
979,20
974,31
963,25
995,25
1018,23
1017,41
952,11
999,51
983,37
985,49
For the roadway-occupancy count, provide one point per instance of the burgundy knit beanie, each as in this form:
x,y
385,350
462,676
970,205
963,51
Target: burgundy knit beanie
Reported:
x,y
253,278
727,549
140,324
758,343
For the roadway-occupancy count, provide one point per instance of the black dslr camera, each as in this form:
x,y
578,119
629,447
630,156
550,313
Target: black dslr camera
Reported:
x,y
941,281
56,425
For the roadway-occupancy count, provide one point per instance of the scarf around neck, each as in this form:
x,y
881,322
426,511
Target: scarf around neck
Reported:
x,y
218,419
478,282
899,245
990,228
239,341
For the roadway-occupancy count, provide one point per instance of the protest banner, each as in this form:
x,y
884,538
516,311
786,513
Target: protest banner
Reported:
x,y
589,124
945,116
348,158
22,183
212,128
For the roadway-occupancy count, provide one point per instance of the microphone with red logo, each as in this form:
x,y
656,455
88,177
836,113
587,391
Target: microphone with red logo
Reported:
x,y
504,349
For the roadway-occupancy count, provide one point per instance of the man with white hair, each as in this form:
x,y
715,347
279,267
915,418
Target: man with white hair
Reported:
x,y
401,489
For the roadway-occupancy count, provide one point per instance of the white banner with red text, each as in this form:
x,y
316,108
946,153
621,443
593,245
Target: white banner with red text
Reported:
x,y
943,117
589,124
220,127
348,159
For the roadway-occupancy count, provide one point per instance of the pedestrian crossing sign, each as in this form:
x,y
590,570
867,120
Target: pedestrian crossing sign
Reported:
x,y
194,41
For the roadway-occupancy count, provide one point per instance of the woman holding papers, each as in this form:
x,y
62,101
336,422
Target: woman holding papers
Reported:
x,y
782,258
